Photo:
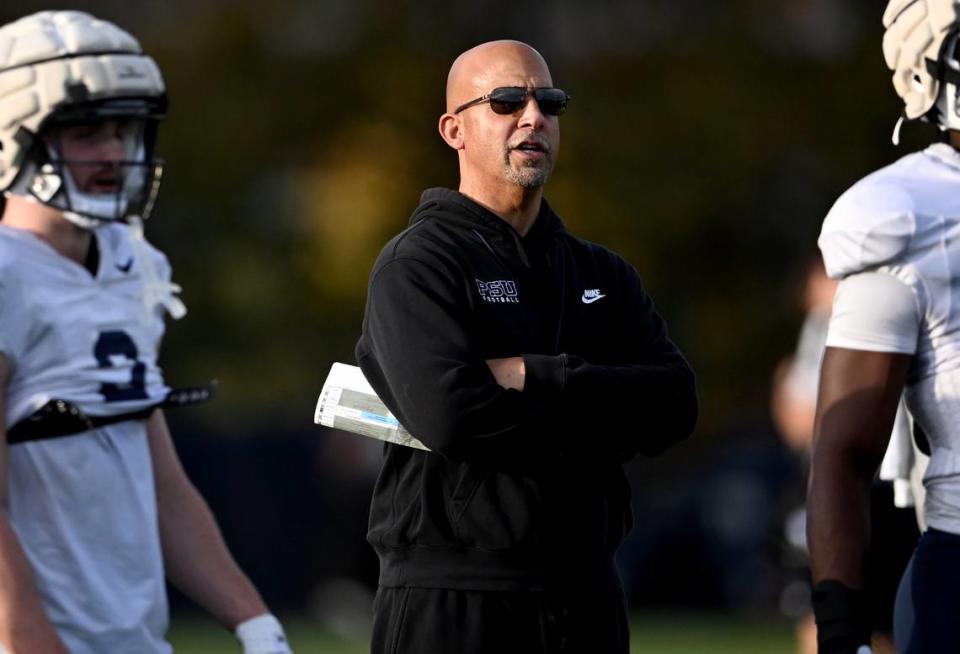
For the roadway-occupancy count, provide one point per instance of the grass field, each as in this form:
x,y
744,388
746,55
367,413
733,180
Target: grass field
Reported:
x,y
670,634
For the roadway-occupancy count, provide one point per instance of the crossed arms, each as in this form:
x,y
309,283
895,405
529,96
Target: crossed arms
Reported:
x,y
423,354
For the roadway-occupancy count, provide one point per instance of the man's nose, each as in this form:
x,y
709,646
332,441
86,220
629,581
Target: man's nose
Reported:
x,y
113,141
112,145
112,148
531,116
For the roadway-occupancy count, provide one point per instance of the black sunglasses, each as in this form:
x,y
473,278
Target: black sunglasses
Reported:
x,y
510,99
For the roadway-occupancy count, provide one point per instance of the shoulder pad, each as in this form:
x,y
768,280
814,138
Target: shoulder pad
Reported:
x,y
868,226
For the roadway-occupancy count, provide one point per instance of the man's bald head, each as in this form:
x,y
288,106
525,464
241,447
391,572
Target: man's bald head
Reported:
x,y
495,63
505,154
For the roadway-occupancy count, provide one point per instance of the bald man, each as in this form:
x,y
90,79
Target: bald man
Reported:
x,y
532,364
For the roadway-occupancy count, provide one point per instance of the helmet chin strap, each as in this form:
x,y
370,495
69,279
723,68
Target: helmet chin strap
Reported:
x,y
84,222
896,129
95,207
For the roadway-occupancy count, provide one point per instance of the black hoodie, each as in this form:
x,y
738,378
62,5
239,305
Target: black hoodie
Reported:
x,y
522,490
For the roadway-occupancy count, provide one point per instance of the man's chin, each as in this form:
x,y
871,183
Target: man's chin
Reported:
x,y
528,178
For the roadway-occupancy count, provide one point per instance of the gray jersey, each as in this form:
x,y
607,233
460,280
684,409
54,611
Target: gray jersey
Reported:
x,y
903,221
84,506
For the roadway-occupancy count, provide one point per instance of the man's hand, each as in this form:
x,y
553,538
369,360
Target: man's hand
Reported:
x,y
509,372
262,635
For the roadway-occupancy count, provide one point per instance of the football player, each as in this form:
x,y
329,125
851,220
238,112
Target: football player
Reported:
x,y
892,241
94,506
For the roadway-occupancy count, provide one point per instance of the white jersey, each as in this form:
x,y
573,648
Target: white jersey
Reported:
x,y
71,335
84,506
904,221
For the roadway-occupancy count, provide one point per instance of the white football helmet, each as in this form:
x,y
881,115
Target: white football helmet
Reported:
x,y
916,32
64,69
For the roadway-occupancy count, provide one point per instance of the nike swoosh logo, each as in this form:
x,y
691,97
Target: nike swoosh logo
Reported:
x,y
591,300
125,267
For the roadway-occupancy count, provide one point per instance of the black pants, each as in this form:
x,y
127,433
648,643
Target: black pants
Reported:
x,y
927,615
444,621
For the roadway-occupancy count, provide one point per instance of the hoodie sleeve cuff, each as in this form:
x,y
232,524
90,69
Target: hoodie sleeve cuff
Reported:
x,y
544,374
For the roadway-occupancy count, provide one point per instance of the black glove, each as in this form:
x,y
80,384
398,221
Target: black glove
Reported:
x,y
841,616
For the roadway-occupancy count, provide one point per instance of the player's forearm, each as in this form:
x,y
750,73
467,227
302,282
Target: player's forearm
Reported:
x,y
24,626
197,560
858,398
838,528
838,519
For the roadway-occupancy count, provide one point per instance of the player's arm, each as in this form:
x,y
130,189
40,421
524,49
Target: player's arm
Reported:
x,y
195,556
873,335
24,626
859,394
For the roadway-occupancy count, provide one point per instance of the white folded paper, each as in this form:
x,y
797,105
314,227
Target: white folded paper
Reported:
x,y
348,402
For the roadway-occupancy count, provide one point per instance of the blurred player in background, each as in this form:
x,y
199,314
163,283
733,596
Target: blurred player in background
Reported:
x,y
94,505
533,364
892,241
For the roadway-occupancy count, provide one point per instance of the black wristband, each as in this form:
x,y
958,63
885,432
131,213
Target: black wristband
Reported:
x,y
840,612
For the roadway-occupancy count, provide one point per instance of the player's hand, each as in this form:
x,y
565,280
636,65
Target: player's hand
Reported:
x,y
509,372
262,635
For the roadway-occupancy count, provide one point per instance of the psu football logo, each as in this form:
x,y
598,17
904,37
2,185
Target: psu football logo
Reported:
x,y
502,290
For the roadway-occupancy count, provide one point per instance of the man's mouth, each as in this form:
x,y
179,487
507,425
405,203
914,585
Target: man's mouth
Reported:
x,y
532,148
105,182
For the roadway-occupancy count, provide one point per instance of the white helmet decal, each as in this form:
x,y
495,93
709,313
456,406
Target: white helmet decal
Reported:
x,y
59,65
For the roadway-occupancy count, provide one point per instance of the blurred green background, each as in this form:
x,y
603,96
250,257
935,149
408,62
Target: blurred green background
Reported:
x,y
705,142
649,635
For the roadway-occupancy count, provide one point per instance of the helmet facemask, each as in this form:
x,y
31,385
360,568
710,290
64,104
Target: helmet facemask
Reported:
x,y
946,111
95,162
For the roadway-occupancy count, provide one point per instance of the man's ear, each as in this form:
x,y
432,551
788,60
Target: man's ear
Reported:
x,y
451,131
